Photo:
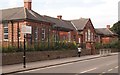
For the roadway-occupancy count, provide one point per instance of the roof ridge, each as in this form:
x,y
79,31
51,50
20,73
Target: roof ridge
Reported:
x,y
80,18
55,18
74,25
110,31
12,8
52,17
25,12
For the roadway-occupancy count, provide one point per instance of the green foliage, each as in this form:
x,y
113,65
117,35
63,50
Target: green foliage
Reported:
x,y
9,49
42,46
116,28
98,45
112,45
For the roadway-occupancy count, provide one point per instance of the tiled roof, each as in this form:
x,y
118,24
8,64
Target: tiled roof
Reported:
x,y
21,13
60,23
80,23
104,31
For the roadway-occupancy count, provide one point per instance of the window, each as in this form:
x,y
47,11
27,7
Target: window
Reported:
x,y
19,32
43,34
5,37
86,36
36,34
89,34
6,31
69,36
55,37
79,40
74,37
92,37
64,38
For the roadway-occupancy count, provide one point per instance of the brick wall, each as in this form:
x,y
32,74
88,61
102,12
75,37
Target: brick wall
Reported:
x,y
14,58
106,40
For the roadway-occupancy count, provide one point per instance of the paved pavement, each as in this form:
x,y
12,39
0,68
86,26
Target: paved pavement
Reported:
x,y
99,65
8,69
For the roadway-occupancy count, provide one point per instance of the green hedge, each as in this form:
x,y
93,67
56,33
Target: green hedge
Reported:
x,y
113,45
43,46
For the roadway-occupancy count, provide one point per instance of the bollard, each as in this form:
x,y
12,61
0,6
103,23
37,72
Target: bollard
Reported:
x,y
100,52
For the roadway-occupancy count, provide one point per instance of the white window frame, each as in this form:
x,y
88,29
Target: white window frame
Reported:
x,y
69,36
43,33
36,33
5,26
92,36
79,40
86,36
89,34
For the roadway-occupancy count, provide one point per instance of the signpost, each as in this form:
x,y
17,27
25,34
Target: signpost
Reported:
x,y
25,30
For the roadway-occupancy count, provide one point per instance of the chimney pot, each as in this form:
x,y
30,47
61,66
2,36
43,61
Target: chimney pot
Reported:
x,y
108,26
59,16
28,4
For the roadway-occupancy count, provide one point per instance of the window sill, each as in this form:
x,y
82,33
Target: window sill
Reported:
x,y
6,40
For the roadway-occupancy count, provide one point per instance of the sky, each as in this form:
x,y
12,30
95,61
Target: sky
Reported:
x,y
101,12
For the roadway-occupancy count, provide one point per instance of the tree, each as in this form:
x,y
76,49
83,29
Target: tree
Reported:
x,y
116,28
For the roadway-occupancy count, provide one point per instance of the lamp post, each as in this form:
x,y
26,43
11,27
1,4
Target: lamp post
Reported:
x,y
24,56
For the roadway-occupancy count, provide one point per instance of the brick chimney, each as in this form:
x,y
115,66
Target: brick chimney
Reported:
x,y
108,26
28,4
59,16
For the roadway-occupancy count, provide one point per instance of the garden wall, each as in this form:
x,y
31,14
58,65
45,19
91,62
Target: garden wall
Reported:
x,y
15,58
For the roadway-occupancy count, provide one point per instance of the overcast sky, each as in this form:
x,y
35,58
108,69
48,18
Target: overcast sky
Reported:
x,y
101,12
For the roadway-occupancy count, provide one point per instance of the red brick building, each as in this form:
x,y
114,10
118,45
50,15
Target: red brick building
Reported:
x,y
44,28
62,29
85,31
105,35
48,29
14,18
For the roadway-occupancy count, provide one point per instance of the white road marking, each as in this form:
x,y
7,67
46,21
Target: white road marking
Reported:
x,y
116,66
110,70
55,66
88,70
45,68
103,72
62,65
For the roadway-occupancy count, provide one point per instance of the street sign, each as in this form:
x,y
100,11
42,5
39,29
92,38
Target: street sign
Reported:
x,y
27,29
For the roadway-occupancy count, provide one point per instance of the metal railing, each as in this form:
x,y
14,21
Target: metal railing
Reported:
x,y
104,52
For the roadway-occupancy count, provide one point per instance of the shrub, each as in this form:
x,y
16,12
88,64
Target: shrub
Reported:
x,y
43,46
9,49
98,45
114,45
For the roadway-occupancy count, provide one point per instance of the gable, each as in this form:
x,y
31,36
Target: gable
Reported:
x,y
89,25
80,23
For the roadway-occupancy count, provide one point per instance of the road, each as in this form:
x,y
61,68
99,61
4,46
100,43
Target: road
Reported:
x,y
101,66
